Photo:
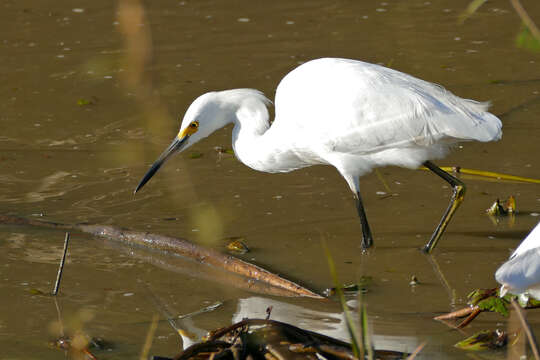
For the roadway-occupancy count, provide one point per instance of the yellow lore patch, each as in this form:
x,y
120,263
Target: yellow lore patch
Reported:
x,y
189,130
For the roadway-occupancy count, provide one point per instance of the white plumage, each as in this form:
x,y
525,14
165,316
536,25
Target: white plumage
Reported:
x,y
521,273
349,114
357,116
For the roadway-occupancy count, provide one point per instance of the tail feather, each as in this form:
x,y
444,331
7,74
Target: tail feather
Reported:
x,y
478,106
492,128
473,123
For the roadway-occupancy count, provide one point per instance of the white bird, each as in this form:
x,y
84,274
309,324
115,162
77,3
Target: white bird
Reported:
x,y
349,114
521,273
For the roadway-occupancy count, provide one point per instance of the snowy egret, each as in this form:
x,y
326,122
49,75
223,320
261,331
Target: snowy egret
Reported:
x,y
349,114
521,273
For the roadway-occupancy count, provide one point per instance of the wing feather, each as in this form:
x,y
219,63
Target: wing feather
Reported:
x,y
360,108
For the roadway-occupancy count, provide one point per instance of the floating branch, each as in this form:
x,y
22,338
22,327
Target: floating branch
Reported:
x,y
178,246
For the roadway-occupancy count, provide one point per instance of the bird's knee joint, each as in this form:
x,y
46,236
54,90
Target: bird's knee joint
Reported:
x,y
459,192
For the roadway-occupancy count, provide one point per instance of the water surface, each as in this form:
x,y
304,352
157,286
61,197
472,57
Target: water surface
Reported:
x,y
65,161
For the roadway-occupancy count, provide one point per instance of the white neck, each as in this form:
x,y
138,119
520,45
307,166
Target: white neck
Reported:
x,y
253,140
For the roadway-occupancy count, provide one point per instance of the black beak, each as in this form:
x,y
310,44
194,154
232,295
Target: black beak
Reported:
x,y
175,146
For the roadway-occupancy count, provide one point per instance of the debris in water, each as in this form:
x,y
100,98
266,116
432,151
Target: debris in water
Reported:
x,y
81,344
237,245
484,340
503,209
361,286
84,102
414,281
223,150
481,300
510,204
269,339
496,209
35,291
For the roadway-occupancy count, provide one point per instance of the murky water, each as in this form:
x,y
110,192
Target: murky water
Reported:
x,y
76,138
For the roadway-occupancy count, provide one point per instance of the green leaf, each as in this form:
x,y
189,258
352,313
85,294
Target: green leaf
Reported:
x,y
494,304
83,102
533,302
478,295
195,155
484,340
35,291
526,40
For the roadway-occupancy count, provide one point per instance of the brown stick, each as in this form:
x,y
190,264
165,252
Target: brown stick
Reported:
x,y
526,18
416,351
61,266
275,352
198,253
174,246
207,346
469,318
337,352
526,328
187,266
456,314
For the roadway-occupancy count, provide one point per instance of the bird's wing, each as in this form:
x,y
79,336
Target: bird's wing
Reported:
x,y
354,107
520,272
530,242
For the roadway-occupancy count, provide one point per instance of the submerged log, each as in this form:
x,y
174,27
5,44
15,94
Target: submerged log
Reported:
x,y
270,339
188,267
177,246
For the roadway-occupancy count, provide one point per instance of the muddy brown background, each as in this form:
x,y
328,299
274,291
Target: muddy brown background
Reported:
x,y
65,161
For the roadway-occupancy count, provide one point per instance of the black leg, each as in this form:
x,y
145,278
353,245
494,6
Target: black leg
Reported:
x,y
457,198
367,238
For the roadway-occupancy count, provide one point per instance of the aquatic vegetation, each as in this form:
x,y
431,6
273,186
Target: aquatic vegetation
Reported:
x,y
485,340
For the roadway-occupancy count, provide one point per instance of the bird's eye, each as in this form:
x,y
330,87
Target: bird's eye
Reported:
x,y
189,130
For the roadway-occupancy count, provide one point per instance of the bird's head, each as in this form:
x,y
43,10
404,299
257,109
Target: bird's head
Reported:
x,y
204,116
